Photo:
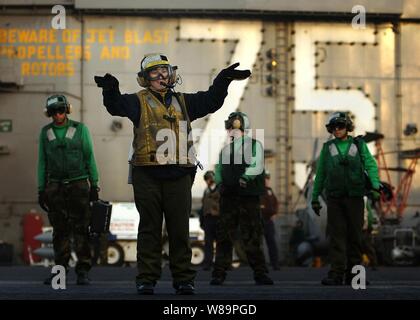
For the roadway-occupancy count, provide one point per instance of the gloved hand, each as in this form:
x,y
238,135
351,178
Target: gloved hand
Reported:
x,y
93,194
231,73
242,183
42,201
316,206
376,194
107,82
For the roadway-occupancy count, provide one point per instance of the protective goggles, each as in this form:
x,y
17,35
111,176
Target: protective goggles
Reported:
x,y
158,73
338,126
53,111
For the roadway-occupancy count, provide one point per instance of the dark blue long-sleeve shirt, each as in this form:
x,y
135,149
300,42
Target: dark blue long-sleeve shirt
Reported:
x,y
197,104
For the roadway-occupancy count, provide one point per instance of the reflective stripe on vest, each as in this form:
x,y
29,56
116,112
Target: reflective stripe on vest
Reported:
x,y
51,135
70,132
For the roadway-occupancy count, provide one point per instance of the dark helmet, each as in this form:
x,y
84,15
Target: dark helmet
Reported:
x,y
339,118
237,120
57,102
209,175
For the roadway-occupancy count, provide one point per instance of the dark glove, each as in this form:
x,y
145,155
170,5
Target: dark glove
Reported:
x,y
316,206
376,194
242,183
42,201
231,74
93,194
107,82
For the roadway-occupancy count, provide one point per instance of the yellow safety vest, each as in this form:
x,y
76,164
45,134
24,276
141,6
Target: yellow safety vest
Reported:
x,y
162,135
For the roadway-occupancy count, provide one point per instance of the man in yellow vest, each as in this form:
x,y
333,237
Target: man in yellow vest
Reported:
x,y
163,162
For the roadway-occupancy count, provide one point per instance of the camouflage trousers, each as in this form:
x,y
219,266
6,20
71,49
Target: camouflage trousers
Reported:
x,y
242,212
69,216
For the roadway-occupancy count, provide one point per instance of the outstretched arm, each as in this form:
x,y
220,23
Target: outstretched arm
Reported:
x,y
117,104
202,103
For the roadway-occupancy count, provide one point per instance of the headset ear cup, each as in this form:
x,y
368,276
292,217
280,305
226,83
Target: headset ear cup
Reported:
x,y
46,113
142,82
69,109
328,129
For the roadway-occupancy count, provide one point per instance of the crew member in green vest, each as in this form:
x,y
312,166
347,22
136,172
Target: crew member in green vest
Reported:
x,y
67,182
341,173
240,177
163,162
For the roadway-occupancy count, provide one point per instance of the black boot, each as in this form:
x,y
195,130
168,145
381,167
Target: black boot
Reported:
x,y
48,280
83,279
184,288
146,288
263,280
217,281
332,281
